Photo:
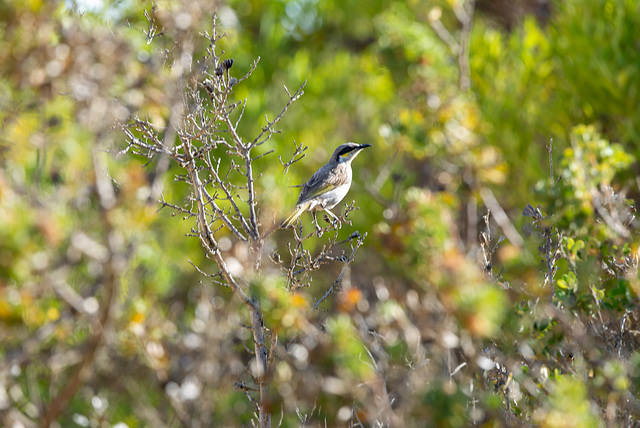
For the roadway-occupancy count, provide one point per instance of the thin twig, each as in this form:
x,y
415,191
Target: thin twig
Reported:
x,y
336,283
269,127
501,217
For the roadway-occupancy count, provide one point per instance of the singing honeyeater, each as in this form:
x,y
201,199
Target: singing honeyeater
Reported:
x,y
328,186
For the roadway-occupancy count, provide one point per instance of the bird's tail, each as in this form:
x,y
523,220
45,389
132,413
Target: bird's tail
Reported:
x,y
295,215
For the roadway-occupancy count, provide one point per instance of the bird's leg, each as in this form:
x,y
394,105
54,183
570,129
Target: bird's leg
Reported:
x,y
315,221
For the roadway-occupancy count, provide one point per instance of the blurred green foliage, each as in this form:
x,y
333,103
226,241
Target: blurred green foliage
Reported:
x,y
424,331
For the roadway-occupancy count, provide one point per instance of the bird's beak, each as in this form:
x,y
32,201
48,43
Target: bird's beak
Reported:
x,y
364,146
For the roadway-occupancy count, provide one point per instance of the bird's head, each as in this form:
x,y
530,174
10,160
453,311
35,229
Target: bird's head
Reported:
x,y
347,152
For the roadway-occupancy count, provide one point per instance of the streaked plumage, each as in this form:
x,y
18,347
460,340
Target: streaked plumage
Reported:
x,y
329,185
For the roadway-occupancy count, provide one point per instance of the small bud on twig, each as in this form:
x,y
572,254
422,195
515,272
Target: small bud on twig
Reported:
x,y
227,63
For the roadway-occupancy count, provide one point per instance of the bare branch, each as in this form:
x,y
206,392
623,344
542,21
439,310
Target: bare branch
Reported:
x,y
164,204
501,217
298,154
269,127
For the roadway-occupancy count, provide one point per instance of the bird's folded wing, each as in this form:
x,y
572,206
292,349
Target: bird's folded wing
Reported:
x,y
317,185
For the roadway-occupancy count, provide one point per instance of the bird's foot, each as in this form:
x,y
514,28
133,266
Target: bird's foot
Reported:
x,y
319,232
333,221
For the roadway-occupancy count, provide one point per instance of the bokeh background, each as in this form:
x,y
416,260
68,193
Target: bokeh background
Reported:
x,y
448,316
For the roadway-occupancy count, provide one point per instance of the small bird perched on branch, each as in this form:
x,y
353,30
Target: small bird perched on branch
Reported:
x,y
328,186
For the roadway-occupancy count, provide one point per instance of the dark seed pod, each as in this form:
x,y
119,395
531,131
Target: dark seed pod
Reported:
x,y
219,70
232,81
228,63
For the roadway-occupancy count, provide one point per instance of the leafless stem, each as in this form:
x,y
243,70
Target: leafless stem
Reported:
x,y
269,126
152,32
298,154
501,217
255,233
549,250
